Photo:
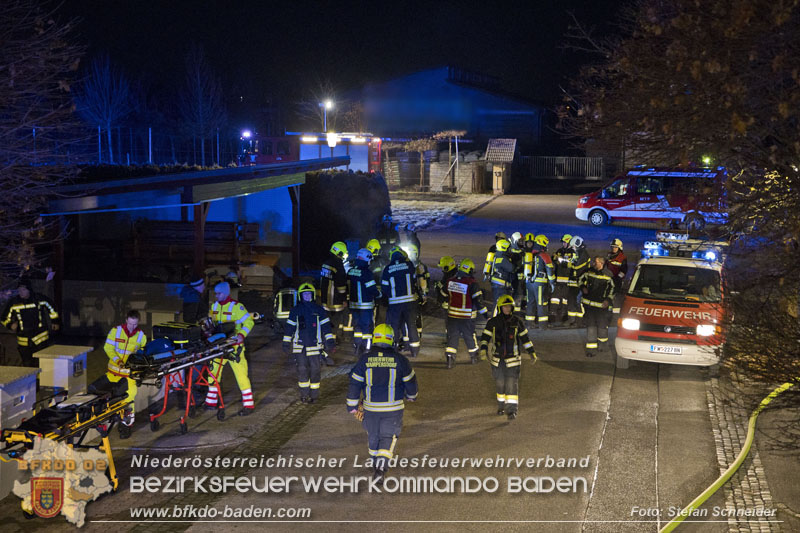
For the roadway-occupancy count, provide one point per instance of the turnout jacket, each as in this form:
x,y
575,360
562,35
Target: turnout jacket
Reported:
x,y
463,297
579,265
309,327
618,265
120,344
31,317
333,284
399,282
384,378
232,311
539,267
503,272
562,259
362,289
509,336
600,286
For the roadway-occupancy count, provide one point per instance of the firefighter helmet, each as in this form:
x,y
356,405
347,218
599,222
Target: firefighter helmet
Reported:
x,y
447,263
397,250
617,243
542,241
364,255
505,299
502,245
383,334
566,238
516,237
576,242
529,237
412,252
307,287
500,235
339,249
467,265
374,246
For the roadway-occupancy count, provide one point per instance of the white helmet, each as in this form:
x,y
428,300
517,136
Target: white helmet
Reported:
x,y
364,255
516,237
576,242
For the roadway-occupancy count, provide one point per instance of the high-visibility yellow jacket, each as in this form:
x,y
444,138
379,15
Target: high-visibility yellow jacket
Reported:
x,y
120,345
232,311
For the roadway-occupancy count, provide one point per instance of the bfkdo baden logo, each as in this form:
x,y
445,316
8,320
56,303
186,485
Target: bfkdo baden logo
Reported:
x,y
47,496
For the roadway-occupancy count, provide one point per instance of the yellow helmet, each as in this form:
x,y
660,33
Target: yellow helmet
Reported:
x,y
542,241
528,237
374,246
412,252
467,265
447,263
397,249
502,245
505,299
306,287
383,334
339,249
617,243
566,238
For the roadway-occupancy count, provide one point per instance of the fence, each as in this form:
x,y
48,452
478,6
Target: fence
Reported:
x,y
584,168
404,170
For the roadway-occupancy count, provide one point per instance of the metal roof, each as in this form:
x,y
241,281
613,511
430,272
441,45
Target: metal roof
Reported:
x,y
501,150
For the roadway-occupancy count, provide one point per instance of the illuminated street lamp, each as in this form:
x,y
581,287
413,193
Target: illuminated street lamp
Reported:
x,y
327,104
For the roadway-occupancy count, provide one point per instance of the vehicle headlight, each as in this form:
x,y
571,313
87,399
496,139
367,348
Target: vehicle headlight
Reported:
x,y
583,200
705,330
630,323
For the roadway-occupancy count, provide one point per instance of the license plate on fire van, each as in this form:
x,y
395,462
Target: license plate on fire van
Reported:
x,y
655,348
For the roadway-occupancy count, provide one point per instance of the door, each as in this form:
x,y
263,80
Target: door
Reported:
x,y
616,198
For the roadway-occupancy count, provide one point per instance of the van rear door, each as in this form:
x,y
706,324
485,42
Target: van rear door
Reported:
x,y
651,199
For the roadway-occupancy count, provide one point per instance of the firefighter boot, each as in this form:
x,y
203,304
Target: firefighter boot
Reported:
x,y
501,409
512,415
451,361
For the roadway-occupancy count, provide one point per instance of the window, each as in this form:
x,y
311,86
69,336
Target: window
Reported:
x,y
676,283
649,185
284,148
266,147
618,189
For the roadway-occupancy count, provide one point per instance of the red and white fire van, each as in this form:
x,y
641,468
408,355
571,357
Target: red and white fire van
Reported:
x,y
673,309
691,197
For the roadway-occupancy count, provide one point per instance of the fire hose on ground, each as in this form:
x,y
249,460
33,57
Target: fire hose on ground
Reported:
x,y
706,494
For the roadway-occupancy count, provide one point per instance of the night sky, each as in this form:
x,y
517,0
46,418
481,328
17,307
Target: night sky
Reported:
x,y
275,51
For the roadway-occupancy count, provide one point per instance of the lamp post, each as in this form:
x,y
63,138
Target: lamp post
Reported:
x,y
327,104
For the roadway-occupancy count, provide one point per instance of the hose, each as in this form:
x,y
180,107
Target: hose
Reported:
x,y
706,494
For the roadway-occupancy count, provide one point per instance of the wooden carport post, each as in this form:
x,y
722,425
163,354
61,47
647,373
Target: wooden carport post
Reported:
x,y
294,194
200,214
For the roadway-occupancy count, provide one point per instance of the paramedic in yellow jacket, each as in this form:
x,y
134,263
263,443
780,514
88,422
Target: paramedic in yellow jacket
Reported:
x,y
121,342
227,310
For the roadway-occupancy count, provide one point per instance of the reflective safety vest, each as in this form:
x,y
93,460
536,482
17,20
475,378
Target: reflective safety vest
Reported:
x,y
399,282
119,346
600,285
539,267
463,296
232,311
284,301
618,265
509,336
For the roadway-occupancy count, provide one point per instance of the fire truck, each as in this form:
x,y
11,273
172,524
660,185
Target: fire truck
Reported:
x,y
673,311
364,149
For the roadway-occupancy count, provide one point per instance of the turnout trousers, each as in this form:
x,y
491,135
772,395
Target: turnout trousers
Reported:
x,y
458,328
403,319
308,373
382,428
506,381
596,329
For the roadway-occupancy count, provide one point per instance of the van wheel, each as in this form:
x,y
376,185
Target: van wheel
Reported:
x,y
694,222
598,218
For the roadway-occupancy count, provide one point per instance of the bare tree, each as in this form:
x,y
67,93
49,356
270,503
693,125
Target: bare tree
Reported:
x,y
38,63
717,78
104,98
201,104
310,110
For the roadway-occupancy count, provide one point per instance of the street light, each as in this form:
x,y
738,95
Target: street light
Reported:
x,y
327,104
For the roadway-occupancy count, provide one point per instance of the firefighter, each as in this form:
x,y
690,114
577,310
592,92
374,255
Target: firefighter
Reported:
x,y
617,263
562,259
398,286
539,277
578,267
121,342
502,271
380,382
30,316
516,253
387,236
507,333
377,265
363,293
226,309
282,305
333,285
423,284
449,269
489,263
597,287
307,335
464,302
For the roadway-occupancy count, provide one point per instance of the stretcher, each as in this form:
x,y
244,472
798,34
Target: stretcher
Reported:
x,y
180,369
70,420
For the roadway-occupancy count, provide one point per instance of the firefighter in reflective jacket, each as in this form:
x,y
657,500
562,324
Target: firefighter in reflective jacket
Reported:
x,y
579,265
562,259
121,342
224,310
333,285
282,305
30,316
507,333
380,382
617,263
449,269
363,292
464,302
597,287
307,334
503,276
488,265
377,265
540,280
516,254
423,284
398,286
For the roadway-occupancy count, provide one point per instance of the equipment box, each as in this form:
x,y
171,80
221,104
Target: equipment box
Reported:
x,y
63,367
17,394
178,332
